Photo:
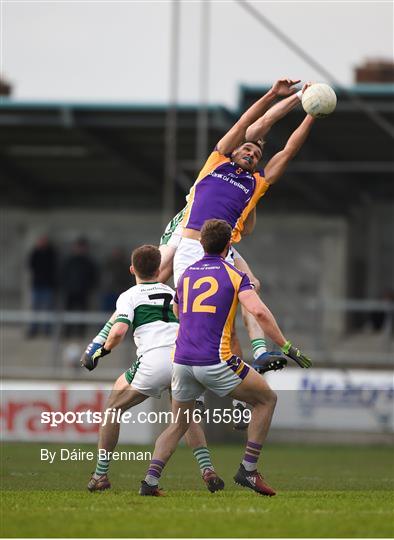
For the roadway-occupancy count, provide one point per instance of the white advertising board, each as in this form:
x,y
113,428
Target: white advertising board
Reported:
x,y
324,399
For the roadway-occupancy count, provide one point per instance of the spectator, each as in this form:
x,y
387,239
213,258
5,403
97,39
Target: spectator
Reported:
x,y
116,278
79,279
42,266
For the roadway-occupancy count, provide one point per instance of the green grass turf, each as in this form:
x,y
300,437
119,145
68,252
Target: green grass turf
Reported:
x,y
323,491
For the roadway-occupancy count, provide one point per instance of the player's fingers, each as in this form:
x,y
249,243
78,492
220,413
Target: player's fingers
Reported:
x,y
306,363
306,85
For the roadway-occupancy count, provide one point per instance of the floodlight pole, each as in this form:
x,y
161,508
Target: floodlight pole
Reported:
x,y
170,157
202,115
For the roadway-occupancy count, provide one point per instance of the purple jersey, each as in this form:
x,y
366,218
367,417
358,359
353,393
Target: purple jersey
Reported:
x,y
207,295
223,190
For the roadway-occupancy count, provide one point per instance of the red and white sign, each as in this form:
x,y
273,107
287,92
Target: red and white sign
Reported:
x,y
22,405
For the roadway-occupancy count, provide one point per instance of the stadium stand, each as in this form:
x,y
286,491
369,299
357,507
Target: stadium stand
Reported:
x,y
98,169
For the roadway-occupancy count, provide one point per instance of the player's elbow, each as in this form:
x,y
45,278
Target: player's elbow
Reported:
x,y
258,129
252,134
261,313
117,334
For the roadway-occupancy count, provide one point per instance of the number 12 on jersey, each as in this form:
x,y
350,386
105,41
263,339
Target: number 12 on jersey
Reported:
x,y
197,305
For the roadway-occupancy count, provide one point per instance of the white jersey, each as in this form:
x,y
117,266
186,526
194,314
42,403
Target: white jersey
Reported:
x,y
148,308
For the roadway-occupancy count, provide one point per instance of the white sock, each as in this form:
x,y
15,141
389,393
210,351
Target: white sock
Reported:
x,y
151,480
259,347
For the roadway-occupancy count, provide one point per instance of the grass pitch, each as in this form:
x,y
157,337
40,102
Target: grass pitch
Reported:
x,y
323,491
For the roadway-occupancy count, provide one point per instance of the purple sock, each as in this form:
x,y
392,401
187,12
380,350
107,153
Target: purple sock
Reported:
x,y
251,456
154,472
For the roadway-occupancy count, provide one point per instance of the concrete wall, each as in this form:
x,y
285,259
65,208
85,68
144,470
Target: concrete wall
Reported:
x,y
298,259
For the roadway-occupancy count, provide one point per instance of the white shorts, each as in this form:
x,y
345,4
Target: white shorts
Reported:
x,y
151,374
188,252
188,382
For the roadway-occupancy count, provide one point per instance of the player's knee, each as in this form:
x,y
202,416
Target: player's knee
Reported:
x,y
179,428
116,400
112,403
263,316
268,398
274,398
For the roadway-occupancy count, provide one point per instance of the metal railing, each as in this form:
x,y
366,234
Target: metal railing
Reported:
x,y
326,346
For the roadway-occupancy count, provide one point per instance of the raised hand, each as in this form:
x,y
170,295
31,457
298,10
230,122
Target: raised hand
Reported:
x,y
90,362
284,87
295,354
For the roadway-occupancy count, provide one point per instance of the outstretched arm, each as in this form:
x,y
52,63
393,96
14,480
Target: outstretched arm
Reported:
x,y
278,164
236,135
253,304
260,128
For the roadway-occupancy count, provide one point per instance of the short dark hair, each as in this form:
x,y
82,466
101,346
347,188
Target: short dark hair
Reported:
x,y
215,235
146,261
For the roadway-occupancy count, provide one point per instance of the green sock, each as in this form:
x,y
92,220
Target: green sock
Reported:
x,y
102,467
259,347
103,334
203,457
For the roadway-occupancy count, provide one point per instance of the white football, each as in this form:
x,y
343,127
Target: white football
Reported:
x,y
319,100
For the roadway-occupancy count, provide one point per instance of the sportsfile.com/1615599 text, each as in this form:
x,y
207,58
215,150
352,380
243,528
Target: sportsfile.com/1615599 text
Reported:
x,y
214,416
